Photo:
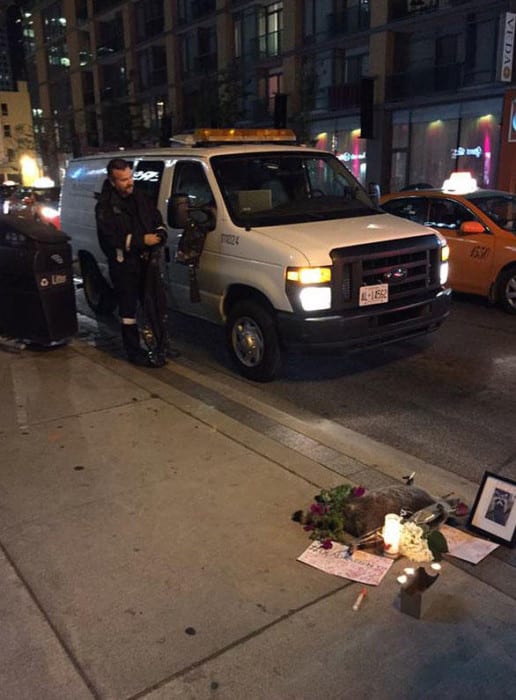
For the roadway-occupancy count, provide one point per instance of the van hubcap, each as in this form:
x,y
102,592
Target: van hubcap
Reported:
x,y
248,342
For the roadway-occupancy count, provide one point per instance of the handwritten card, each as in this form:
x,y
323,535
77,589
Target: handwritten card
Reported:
x,y
466,547
360,566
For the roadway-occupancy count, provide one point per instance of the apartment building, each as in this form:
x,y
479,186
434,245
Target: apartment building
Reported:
x,y
404,91
17,147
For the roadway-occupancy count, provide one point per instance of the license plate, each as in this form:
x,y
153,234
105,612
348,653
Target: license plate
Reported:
x,y
374,294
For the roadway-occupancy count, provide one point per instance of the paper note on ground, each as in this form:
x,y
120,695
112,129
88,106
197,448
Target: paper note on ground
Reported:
x,y
466,547
360,566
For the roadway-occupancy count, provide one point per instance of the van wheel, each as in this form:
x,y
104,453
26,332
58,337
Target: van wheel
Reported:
x,y
253,341
507,290
99,294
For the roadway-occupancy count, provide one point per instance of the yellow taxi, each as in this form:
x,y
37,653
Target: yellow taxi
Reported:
x,y
480,228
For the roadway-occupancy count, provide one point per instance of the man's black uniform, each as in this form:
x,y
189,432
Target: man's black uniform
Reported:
x,y
122,223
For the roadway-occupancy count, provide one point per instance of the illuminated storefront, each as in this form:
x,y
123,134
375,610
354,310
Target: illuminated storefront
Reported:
x,y
343,139
430,143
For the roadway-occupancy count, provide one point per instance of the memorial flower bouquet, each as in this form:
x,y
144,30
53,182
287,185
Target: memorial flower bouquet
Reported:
x,y
419,544
324,518
327,520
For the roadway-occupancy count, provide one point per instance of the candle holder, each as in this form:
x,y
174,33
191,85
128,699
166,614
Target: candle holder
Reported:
x,y
414,583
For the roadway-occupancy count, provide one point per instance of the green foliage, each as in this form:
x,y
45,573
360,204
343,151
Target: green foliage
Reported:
x,y
437,544
324,519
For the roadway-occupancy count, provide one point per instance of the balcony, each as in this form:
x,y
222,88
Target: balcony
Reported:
x,y
346,96
400,9
261,111
205,63
263,47
350,21
426,81
196,10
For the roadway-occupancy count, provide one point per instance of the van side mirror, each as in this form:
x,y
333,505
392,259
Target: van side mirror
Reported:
x,y
469,227
179,212
373,190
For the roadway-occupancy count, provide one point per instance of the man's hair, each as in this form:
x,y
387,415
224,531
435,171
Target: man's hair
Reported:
x,y
117,164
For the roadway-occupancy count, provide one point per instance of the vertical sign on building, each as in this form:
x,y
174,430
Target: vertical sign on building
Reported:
x,y
507,27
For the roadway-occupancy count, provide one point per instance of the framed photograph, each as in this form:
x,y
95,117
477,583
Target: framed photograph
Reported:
x,y
493,514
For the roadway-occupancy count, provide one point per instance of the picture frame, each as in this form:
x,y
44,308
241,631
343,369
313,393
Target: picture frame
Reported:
x,y
493,514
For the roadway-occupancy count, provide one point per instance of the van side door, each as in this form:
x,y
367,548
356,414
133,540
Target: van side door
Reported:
x,y
190,185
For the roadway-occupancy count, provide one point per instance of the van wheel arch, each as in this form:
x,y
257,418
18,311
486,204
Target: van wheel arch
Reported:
x,y
98,292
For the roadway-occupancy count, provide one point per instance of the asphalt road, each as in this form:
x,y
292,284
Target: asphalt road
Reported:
x,y
448,399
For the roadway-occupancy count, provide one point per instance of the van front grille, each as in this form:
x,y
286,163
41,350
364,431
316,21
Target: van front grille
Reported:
x,y
410,267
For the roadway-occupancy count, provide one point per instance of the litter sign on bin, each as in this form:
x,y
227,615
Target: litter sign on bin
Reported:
x,y
37,296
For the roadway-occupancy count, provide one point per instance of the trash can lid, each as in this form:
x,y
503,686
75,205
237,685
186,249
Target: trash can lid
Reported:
x,y
34,230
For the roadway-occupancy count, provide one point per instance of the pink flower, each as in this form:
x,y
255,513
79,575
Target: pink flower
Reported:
x,y
318,508
358,491
327,544
308,528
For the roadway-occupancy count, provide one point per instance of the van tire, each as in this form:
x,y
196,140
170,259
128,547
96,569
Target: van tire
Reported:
x,y
98,292
507,290
253,341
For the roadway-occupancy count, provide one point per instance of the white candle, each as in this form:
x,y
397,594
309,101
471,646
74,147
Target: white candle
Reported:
x,y
391,533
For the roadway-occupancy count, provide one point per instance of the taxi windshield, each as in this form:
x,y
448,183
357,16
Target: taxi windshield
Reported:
x,y
267,189
500,207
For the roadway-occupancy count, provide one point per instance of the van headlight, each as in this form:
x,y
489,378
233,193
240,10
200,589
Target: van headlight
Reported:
x,y
444,267
309,287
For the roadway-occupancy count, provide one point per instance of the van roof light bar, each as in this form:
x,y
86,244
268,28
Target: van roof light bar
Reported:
x,y
221,136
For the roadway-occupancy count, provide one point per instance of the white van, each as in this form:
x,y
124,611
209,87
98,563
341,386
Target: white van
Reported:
x,y
296,253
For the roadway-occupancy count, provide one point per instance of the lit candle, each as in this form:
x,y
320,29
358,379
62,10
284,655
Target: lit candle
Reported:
x,y
391,534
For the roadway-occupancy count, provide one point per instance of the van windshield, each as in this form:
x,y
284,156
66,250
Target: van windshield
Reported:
x,y
266,189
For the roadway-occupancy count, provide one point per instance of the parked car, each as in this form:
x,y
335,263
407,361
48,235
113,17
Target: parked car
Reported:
x,y
5,192
39,203
480,228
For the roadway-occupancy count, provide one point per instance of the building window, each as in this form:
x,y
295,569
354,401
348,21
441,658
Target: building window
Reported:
x,y
153,67
5,109
150,19
54,24
7,131
270,26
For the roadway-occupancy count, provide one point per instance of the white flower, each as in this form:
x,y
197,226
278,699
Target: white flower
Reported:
x,y
413,544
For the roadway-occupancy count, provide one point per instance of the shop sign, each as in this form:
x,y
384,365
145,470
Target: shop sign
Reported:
x,y
461,151
507,47
347,156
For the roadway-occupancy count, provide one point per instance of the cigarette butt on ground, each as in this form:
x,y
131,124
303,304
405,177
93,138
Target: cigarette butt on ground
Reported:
x,y
360,598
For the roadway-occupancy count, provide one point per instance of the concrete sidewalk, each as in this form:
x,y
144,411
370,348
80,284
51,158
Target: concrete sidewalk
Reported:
x,y
147,549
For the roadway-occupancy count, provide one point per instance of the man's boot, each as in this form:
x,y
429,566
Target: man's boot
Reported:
x,y
131,339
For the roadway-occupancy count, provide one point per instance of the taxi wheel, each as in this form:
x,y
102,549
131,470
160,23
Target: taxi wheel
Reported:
x,y
253,341
507,290
99,294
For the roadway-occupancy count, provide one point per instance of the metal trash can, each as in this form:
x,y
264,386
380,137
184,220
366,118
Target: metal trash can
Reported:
x,y
37,295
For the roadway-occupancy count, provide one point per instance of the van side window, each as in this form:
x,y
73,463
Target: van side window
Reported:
x,y
147,177
190,179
